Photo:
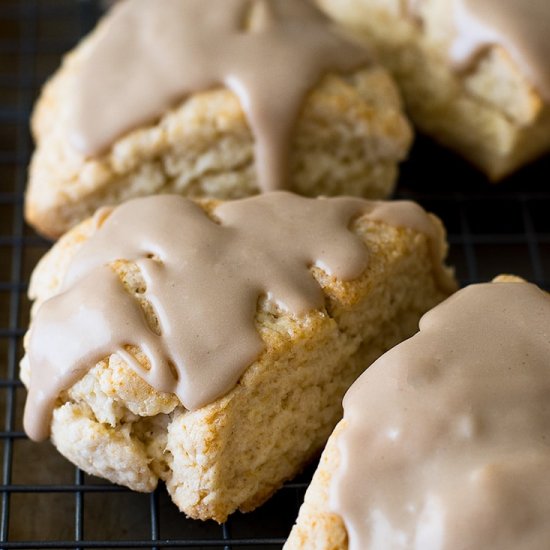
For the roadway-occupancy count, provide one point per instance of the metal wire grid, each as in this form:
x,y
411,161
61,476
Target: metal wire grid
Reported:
x,y
46,503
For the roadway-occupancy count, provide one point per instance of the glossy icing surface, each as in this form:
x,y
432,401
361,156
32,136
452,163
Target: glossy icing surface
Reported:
x,y
446,444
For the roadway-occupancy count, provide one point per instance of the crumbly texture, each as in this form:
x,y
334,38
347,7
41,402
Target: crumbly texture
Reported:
x,y
316,527
234,453
492,115
349,139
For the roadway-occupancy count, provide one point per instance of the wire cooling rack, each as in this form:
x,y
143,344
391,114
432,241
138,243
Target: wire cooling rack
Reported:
x,y
46,502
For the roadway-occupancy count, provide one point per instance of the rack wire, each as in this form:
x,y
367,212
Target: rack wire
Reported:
x,y
46,502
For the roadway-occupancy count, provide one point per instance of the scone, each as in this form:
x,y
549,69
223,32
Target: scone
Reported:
x,y
473,73
443,443
212,98
209,345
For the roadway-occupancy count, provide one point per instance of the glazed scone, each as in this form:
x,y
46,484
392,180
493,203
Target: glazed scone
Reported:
x,y
231,451
348,137
492,114
440,444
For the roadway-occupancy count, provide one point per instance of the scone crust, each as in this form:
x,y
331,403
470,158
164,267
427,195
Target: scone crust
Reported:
x,y
349,138
492,115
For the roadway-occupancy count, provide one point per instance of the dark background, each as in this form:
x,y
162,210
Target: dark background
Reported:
x,y
44,501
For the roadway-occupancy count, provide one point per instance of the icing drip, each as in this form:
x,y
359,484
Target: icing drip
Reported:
x,y
148,55
521,27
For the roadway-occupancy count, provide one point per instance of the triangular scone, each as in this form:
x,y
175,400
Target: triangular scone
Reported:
x,y
349,137
492,113
235,451
442,444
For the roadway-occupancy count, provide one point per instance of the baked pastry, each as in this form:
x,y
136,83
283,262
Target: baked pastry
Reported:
x,y
443,440
210,345
473,73
230,98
